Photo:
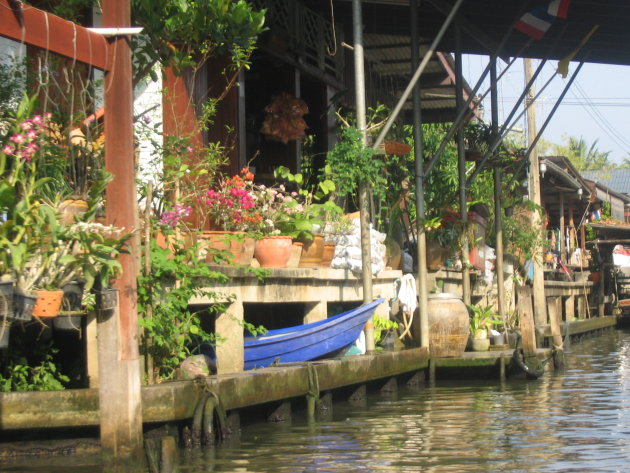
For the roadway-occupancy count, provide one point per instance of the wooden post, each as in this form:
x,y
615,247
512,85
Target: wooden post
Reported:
x,y
364,214
119,374
540,307
554,307
526,311
563,246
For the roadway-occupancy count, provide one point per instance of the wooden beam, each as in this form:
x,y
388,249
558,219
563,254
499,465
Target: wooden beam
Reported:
x,y
35,27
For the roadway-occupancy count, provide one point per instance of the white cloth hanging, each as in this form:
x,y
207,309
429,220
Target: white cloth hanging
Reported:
x,y
408,300
407,294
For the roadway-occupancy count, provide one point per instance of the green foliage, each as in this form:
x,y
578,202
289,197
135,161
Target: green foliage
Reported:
x,y
381,325
182,33
352,162
17,375
316,208
520,237
175,329
482,318
583,156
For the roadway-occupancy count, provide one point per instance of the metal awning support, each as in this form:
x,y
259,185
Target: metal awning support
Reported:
x,y
416,75
506,124
421,240
364,212
498,211
509,122
461,116
461,167
549,116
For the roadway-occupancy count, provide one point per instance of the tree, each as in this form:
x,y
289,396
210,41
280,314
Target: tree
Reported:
x,y
581,155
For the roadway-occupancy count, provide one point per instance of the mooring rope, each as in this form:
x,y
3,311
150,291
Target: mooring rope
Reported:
x,y
313,382
208,412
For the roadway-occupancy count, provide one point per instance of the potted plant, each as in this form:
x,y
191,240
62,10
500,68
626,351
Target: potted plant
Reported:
x,y
232,209
482,318
440,242
477,140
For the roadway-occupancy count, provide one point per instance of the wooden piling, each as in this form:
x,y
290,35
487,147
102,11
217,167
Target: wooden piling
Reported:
x,y
554,310
119,377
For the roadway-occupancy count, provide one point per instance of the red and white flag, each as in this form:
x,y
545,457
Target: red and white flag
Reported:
x,y
537,21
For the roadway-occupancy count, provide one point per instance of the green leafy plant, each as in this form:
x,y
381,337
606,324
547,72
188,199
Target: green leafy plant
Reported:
x,y
381,326
312,209
482,319
351,163
18,375
181,33
175,329
520,238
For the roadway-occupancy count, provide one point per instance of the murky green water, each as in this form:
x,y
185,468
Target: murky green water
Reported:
x,y
576,421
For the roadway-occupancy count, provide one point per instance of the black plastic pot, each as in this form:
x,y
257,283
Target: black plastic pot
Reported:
x,y
6,299
23,305
71,316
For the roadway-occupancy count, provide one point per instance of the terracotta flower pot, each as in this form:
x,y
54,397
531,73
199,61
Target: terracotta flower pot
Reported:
x,y
229,245
328,254
312,252
48,303
273,251
296,254
70,208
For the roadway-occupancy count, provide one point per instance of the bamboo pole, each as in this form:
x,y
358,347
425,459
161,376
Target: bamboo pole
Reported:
x,y
423,310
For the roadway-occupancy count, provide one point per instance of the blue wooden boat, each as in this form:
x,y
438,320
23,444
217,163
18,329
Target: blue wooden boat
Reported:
x,y
308,342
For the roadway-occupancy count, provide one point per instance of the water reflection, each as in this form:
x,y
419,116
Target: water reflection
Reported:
x,y
575,421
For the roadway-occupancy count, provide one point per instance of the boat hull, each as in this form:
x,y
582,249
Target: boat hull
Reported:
x,y
310,341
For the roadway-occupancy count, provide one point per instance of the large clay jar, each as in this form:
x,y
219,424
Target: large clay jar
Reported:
x,y
273,251
449,325
312,252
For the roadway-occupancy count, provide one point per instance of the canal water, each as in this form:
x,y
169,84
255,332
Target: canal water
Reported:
x,y
572,421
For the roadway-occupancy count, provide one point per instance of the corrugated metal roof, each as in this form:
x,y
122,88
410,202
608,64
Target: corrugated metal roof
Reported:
x,y
617,179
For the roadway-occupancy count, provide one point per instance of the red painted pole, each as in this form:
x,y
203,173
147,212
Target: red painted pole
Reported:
x,y
121,204
119,388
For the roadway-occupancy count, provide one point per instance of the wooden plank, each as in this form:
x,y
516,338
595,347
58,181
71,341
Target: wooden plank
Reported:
x,y
526,317
35,27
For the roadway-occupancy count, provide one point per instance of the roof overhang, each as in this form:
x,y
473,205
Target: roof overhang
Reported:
x,y
485,24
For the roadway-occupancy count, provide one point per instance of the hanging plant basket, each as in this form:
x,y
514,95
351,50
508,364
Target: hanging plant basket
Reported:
x,y
71,316
106,299
48,303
